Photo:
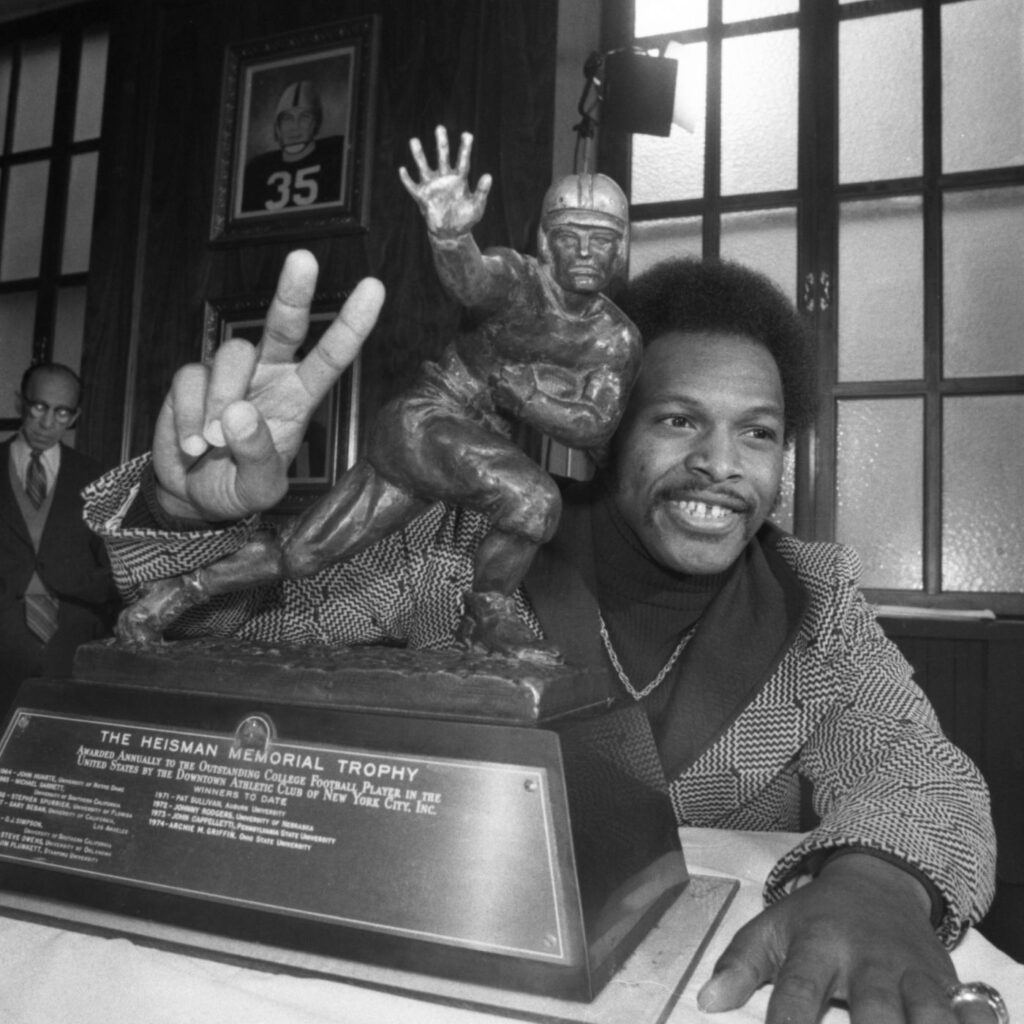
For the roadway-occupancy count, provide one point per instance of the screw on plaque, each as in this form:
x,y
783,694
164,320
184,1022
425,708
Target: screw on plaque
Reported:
x,y
255,732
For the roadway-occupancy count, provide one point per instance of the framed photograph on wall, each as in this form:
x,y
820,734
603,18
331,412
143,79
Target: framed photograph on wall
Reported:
x,y
331,443
296,134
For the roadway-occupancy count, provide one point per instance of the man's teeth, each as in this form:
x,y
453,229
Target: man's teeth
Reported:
x,y
703,510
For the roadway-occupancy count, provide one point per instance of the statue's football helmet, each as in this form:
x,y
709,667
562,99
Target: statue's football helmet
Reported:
x,y
585,201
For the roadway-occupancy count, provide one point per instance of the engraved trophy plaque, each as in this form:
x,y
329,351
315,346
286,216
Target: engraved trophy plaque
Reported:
x,y
517,844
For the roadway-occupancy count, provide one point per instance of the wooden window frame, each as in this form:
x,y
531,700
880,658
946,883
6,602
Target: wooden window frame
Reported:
x,y
70,25
817,200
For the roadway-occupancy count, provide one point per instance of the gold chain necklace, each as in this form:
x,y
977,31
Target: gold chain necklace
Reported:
x,y
659,678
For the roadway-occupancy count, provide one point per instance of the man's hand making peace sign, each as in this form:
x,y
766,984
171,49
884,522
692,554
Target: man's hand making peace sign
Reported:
x,y
227,432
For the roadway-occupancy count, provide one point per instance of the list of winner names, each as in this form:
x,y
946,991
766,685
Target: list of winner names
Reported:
x,y
204,787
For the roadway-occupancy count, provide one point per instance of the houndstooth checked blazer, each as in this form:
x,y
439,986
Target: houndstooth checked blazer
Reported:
x,y
839,708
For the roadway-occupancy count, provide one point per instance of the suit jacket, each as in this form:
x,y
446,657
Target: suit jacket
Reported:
x,y
833,702
71,561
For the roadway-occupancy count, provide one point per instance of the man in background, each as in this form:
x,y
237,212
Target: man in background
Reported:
x,y
55,586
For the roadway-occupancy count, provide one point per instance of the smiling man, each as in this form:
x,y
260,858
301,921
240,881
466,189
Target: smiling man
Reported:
x,y
758,664
700,456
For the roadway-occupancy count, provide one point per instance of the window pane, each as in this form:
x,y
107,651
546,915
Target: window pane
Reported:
x,y
653,17
5,92
764,240
743,10
759,112
92,80
782,513
70,327
983,267
78,226
982,84
673,167
651,241
881,290
37,94
880,97
23,223
879,495
17,328
983,493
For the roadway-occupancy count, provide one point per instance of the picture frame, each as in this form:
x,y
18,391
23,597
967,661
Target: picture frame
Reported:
x,y
295,142
331,444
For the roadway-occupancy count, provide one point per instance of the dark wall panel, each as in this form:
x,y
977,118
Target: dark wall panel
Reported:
x,y
485,66
973,673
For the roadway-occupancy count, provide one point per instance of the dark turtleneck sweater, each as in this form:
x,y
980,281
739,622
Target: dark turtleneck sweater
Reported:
x,y
748,617
646,607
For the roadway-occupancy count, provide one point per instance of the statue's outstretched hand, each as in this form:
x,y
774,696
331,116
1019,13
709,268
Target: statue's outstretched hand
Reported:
x,y
448,205
227,432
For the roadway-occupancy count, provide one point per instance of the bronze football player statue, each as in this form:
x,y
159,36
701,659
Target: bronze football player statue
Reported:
x,y
546,348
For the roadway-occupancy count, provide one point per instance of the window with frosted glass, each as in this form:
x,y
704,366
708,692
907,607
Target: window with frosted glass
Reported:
x,y
982,84
654,17
906,225
764,240
671,168
742,10
5,91
881,290
651,241
23,221
983,270
983,494
52,90
37,94
880,97
759,112
880,488
91,85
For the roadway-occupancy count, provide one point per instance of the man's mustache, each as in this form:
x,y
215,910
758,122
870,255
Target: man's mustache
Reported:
x,y
694,490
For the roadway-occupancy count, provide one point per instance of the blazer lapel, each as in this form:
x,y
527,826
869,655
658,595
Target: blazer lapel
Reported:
x,y
741,639
10,512
739,643
65,496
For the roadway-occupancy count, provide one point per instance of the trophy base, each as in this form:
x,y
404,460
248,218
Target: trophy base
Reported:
x,y
475,821
643,991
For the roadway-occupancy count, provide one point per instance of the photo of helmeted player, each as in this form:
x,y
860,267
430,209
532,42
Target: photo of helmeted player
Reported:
x,y
294,137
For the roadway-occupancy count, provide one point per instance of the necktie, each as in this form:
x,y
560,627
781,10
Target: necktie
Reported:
x,y
35,480
41,615
40,609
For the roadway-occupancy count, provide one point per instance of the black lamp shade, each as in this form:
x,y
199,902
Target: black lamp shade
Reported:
x,y
639,93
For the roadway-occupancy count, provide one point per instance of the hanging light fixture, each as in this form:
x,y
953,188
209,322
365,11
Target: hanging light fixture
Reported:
x,y
632,91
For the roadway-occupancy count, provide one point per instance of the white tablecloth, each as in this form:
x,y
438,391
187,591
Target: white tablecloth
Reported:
x,y
52,976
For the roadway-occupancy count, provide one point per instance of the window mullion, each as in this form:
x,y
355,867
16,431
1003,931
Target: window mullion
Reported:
x,y
711,225
818,174
57,192
931,56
